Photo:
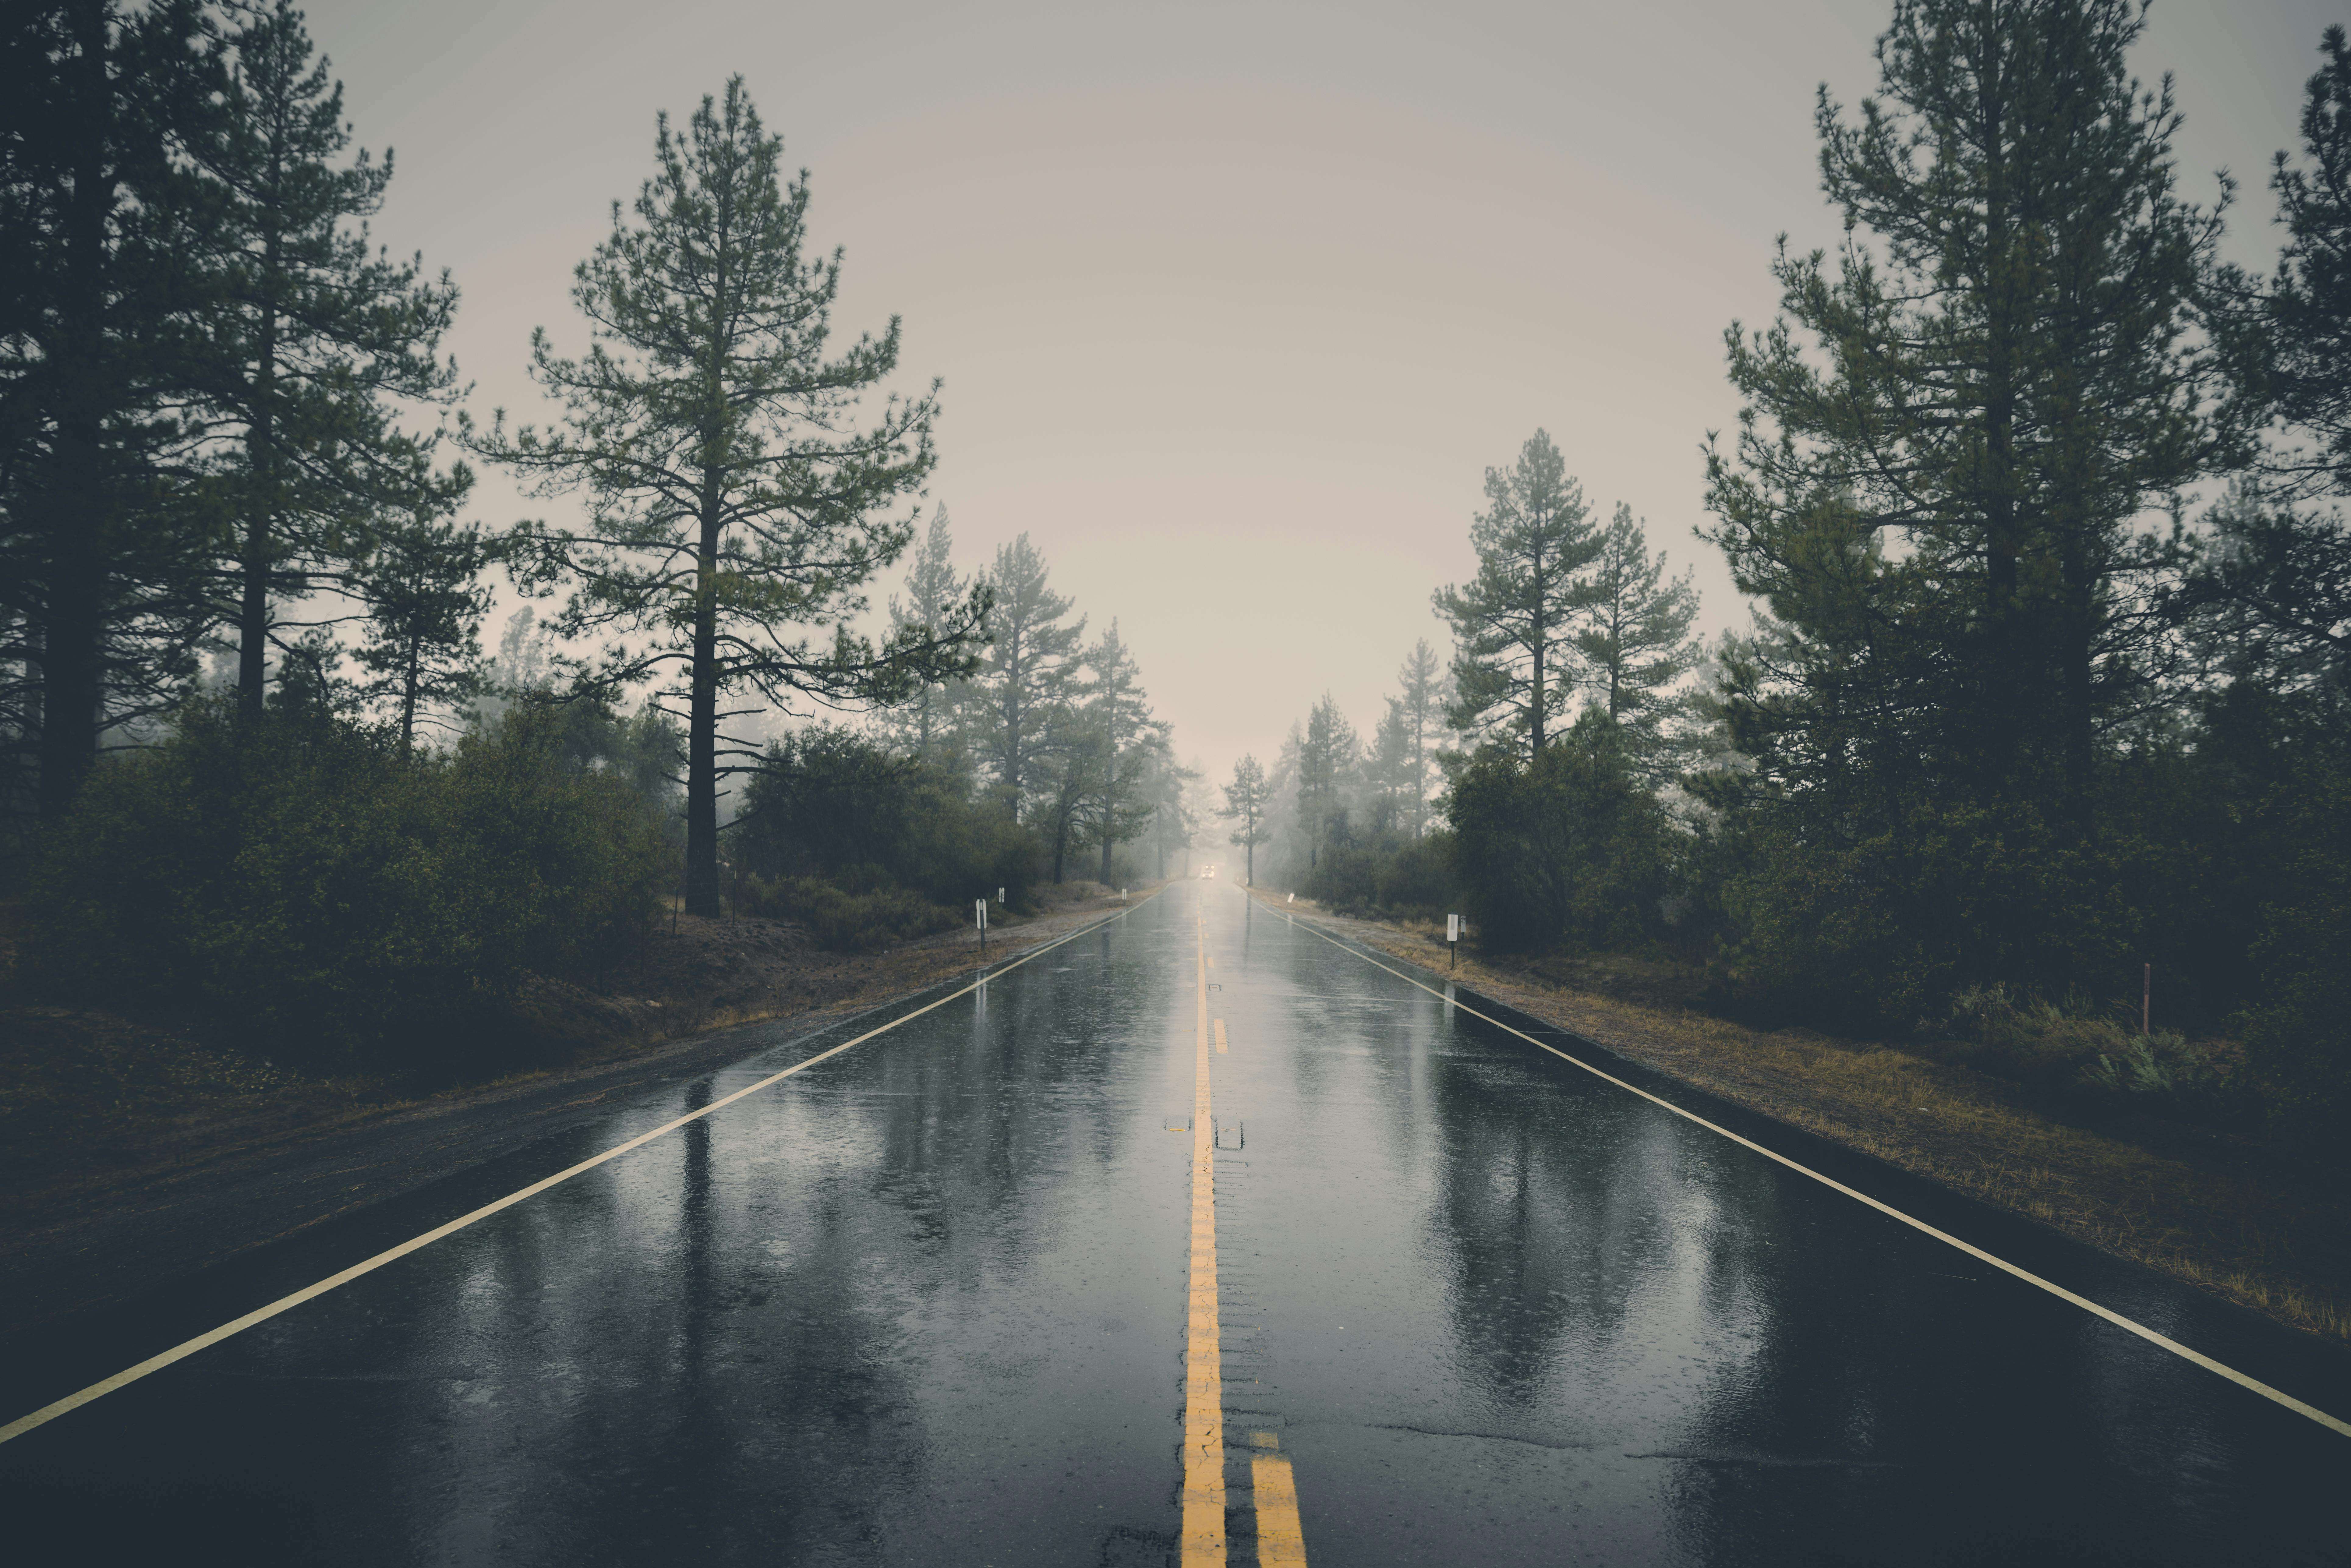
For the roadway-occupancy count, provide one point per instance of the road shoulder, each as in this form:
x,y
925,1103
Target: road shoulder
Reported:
x,y
2248,1230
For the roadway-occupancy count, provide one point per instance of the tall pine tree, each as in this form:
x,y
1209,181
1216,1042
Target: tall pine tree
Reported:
x,y
319,341
105,528
1031,656
1635,639
1513,624
1951,441
736,512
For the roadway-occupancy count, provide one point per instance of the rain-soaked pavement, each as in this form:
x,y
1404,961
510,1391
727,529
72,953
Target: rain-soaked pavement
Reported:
x,y
926,1303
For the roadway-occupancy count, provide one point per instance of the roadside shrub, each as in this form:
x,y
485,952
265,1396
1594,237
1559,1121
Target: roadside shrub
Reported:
x,y
1569,850
829,804
2298,1034
849,922
1387,875
325,902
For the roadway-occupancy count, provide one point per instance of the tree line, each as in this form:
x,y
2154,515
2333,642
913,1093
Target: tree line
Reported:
x,y
229,432
2020,720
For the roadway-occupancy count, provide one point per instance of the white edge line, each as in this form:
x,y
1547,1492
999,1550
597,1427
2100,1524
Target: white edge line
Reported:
x,y
2116,1318
186,1348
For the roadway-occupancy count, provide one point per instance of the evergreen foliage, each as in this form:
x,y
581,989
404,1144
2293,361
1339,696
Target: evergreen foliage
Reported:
x,y
302,886
1635,643
735,513
871,848
1022,688
1247,800
106,527
313,340
421,583
1515,621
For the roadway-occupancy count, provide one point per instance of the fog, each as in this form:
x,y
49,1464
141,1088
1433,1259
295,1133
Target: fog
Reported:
x,y
1233,305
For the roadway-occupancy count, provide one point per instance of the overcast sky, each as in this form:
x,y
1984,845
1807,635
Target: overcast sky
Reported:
x,y
1234,304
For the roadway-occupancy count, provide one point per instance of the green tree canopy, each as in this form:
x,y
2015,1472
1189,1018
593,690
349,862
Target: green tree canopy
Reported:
x,y
1636,638
316,340
736,512
1513,624
1032,651
1247,800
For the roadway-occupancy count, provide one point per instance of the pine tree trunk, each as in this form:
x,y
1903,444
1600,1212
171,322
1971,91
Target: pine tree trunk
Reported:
x,y
408,694
261,453
73,628
1110,812
702,724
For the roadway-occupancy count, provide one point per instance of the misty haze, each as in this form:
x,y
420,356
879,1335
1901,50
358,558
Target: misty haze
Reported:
x,y
1472,785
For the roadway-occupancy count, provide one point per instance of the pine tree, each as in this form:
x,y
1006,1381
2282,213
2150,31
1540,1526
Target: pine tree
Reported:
x,y
316,340
425,602
1950,440
2009,388
735,514
1328,756
1636,637
105,527
1166,789
2274,592
936,595
1029,662
1115,703
1247,798
2308,305
1513,625
1420,702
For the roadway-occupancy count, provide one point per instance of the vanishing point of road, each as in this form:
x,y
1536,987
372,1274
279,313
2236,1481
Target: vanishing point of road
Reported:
x,y
1200,1237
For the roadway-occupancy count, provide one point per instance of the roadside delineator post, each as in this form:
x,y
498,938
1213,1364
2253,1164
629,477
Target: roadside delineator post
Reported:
x,y
1453,941
979,916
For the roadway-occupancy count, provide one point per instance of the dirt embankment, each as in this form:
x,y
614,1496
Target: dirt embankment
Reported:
x,y
2215,1210
94,1104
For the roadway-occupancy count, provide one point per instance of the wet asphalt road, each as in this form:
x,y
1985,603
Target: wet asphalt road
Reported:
x,y
925,1303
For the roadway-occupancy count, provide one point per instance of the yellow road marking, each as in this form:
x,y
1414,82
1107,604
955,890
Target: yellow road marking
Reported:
x,y
181,1352
2276,1394
1280,1540
1204,1382
1220,1037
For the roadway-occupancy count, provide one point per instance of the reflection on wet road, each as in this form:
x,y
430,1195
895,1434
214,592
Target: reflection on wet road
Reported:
x,y
931,1300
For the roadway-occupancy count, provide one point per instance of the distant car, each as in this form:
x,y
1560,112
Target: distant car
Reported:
x,y
1208,871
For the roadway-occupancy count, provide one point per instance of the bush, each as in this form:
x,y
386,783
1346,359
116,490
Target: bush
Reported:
x,y
829,806
1567,851
2298,1034
1384,876
848,922
328,902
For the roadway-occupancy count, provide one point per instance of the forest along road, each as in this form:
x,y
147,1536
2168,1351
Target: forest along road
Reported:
x,y
1198,1238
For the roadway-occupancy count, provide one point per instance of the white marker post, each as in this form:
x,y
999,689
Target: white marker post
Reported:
x,y
1453,941
979,913
999,896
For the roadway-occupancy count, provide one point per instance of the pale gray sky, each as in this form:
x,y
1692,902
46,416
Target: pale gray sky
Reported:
x,y
1235,304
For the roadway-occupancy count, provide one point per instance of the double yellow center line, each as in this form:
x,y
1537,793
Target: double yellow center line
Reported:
x,y
1204,1371
1273,1488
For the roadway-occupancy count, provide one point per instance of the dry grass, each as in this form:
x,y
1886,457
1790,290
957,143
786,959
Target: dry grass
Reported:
x,y
2230,1221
